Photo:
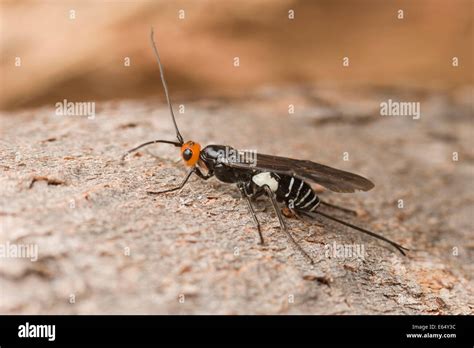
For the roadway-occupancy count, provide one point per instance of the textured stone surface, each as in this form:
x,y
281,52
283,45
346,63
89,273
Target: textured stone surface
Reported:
x,y
101,238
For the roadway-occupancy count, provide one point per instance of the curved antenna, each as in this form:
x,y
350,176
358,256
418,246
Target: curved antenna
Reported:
x,y
149,143
163,81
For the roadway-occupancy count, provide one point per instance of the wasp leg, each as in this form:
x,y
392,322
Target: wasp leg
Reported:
x,y
185,180
201,175
245,195
282,222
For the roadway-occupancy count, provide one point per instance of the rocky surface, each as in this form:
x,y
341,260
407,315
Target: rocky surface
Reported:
x,y
105,246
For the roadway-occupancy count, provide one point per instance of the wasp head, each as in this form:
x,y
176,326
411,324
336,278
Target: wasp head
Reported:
x,y
190,152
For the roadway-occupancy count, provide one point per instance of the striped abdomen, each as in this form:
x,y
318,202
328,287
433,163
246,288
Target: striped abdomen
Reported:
x,y
294,192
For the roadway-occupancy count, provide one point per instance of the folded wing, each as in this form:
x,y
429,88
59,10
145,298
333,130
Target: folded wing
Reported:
x,y
333,179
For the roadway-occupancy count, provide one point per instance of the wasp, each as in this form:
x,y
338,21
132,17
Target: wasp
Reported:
x,y
282,180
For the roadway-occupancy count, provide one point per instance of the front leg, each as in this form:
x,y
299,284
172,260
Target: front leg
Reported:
x,y
185,180
245,195
201,175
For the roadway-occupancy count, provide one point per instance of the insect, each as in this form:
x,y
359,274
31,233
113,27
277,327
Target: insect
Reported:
x,y
282,180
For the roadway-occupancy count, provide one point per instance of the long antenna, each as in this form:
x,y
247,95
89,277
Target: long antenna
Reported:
x,y
149,143
398,246
163,81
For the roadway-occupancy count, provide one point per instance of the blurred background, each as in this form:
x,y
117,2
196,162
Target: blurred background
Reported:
x,y
77,49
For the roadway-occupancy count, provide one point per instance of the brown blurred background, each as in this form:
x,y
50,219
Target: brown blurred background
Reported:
x,y
83,58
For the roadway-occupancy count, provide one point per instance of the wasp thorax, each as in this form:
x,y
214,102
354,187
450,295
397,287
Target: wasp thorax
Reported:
x,y
190,152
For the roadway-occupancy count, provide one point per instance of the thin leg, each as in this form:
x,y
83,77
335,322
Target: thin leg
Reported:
x,y
252,211
201,175
185,180
282,222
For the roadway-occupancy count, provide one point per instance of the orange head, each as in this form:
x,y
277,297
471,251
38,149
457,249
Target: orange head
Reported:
x,y
190,153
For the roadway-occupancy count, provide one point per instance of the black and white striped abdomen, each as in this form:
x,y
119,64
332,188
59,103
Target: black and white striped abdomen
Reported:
x,y
294,192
